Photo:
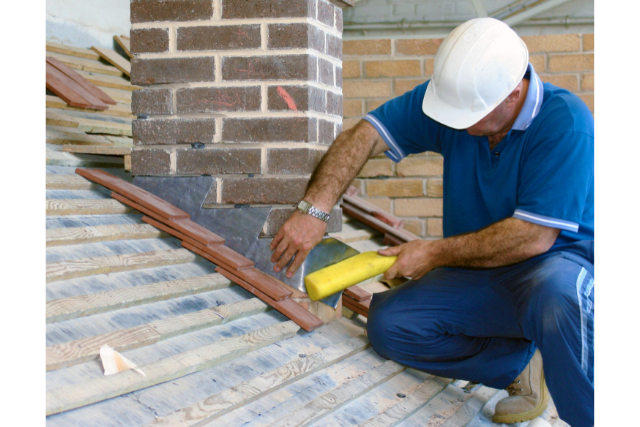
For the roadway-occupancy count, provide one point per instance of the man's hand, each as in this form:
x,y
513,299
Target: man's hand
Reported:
x,y
296,237
414,260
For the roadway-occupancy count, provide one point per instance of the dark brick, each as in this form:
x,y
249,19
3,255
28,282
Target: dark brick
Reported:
x,y
326,131
172,70
218,160
334,46
263,190
339,19
276,129
326,72
224,37
151,101
339,77
170,10
150,161
334,104
326,12
215,99
149,40
301,161
173,131
291,36
284,67
296,98
279,215
233,9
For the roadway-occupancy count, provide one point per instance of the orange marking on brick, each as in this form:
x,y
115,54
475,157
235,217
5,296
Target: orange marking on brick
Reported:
x,y
287,98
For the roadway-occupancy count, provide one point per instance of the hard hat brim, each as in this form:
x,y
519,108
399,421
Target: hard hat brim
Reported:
x,y
448,115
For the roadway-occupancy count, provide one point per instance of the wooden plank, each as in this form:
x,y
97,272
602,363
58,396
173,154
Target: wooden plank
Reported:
x,y
101,233
89,149
118,110
99,389
59,118
112,57
357,293
127,162
86,349
72,51
239,395
102,302
348,304
88,86
374,287
288,307
332,400
65,88
375,223
108,81
121,96
88,65
374,210
354,236
409,405
125,44
78,137
86,207
94,101
471,407
69,181
134,193
71,269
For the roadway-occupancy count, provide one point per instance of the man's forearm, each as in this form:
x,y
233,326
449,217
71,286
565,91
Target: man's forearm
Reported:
x,y
506,242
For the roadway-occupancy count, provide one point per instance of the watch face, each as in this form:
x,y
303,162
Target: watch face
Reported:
x,y
304,206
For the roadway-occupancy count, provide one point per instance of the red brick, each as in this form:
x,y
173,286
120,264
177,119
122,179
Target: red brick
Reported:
x,y
296,98
326,12
262,190
285,67
276,129
301,161
234,9
149,40
418,46
215,99
218,160
170,10
173,131
151,101
223,37
172,70
150,161
296,36
367,47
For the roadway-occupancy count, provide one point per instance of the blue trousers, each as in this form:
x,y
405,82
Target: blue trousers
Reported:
x,y
485,325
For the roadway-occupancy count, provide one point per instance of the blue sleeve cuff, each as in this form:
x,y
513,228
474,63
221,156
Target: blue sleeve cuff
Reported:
x,y
546,221
395,153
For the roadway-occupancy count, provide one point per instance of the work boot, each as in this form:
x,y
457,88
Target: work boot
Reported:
x,y
528,395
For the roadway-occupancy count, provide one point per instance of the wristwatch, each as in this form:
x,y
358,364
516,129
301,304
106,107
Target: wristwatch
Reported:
x,y
308,208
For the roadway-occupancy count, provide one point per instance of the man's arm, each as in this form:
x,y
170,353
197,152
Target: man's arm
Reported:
x,y
336,170
506,242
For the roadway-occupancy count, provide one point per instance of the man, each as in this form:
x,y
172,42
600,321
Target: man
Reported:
x,y
511,284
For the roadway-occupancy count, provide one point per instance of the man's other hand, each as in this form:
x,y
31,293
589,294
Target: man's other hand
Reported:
x,y
296,238
414,260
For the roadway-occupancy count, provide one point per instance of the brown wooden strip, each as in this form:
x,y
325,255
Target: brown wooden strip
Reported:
x,y
196,231
101,95
288,307
350,304
372,209
259,280
375,223
134,193
357,293
112,57
229,256
57,84
92,100
391,240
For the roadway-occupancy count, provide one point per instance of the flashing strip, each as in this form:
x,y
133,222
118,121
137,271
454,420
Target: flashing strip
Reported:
x,y
547,221
396,153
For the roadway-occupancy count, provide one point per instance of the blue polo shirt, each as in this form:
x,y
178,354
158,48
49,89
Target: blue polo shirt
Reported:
x,y
541,172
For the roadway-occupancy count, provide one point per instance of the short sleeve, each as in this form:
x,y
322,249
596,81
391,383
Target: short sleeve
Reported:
x,y
404,127
555,181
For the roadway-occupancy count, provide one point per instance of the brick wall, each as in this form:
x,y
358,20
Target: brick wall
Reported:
x,y
375,71
247,91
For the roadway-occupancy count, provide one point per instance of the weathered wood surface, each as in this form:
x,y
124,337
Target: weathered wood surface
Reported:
x,y
226,401
81,81
119,110
104,81
471,407
86,207
88,65
122,96
101,233
72,51
112,57
102,302
69,182
77,395
64,270
68,135
89,149
59,118
83,350
56,157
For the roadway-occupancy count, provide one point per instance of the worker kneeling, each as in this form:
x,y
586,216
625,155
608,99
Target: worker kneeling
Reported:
x,y
511,283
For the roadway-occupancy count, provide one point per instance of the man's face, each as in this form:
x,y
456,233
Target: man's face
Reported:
x,y
492,123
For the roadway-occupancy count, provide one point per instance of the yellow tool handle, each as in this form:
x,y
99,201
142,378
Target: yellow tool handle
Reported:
x,y
337,277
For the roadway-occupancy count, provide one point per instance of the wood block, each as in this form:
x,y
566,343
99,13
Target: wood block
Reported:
x,y
112,57
288,307
125,44
357,293
134,193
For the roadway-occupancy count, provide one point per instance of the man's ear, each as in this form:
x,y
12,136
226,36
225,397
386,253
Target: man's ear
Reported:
x,y
515,94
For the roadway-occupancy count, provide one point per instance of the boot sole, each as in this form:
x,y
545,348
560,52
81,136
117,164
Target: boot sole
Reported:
x,y
529,415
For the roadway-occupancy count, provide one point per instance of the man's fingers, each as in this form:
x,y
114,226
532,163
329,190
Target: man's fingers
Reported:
x,y
297,262
290,252
276,240
282,246
391,272
394,250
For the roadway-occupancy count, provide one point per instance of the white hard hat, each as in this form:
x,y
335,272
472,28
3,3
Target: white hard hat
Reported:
x,y
477,66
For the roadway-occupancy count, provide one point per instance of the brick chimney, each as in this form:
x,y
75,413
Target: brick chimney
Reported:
x,y
248,91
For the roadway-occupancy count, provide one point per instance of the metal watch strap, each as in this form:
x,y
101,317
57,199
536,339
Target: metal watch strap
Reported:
x,y
317,213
